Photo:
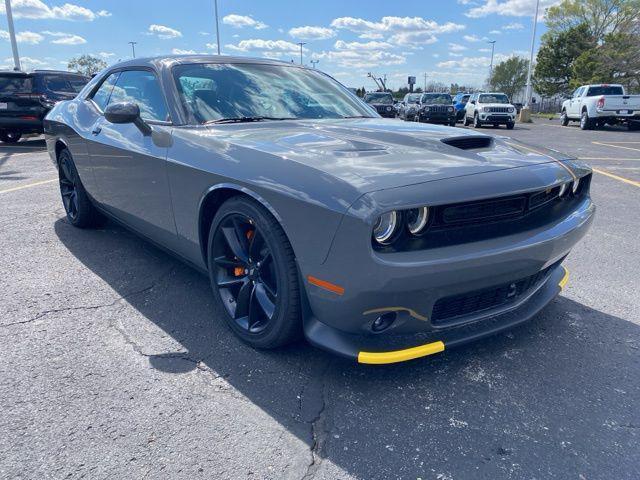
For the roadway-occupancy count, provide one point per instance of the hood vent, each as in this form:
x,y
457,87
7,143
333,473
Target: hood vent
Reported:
x,y
469,142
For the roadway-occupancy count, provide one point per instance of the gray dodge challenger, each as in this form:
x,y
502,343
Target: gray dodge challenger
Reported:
x,y
378,240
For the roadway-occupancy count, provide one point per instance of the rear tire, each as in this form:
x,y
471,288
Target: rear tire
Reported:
x,y
81,213
10,137
585,122
564,120
254,274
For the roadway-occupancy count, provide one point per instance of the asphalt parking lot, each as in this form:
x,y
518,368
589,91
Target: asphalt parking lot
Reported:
x,y
114,363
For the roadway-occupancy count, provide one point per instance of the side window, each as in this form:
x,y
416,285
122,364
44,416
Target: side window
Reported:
x,y
101,96
141,87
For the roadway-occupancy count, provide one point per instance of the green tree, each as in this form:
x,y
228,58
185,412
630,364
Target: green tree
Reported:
x,y
601,17
558,52
510,76
86,65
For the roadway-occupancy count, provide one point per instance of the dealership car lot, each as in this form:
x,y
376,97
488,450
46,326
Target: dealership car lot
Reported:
x,y
115,363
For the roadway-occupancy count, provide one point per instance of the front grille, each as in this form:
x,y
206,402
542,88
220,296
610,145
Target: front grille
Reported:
x,y
438,109
490,210
469,142
450,308
499,109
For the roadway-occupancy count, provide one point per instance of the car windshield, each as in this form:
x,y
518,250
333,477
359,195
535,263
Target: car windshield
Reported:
x,y
605,90
464,99
10,84
493,98
217,92
436,99
415,98
64,83
384,98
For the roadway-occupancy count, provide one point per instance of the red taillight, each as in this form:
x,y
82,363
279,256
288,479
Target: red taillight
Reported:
x,y
28,117
600,103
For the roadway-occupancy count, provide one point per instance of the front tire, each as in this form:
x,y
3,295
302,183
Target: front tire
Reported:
x,y
254,275
510,125
585,122
81,213
476,121
465,120
10,137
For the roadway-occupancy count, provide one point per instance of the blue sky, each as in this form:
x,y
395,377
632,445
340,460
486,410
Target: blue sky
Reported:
x,y
447,40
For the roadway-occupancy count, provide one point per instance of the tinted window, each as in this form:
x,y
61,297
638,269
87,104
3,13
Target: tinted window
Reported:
x,y
413,98
10,84
605,90
63,83
436,99
142,88
101,97
464,99
493,98
385,98
213,92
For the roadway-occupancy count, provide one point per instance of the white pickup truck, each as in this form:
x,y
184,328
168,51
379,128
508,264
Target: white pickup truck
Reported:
x,y
596,105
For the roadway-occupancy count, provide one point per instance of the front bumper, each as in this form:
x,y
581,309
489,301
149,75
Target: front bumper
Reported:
x,y
500,118
436,117
381,349
411,283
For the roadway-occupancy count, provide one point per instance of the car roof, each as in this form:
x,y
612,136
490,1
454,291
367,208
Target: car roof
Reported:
x,y
166,61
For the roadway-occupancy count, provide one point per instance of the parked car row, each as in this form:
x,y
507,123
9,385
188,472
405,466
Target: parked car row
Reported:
x,y
25,99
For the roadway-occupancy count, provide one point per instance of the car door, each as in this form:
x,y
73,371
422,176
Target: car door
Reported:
x,y
574,104
130,167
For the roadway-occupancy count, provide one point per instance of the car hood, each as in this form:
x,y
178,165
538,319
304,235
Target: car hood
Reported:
x,y
376,153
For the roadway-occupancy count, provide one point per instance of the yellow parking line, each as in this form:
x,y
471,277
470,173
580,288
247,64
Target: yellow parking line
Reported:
x,y
622,179
616,146
29,185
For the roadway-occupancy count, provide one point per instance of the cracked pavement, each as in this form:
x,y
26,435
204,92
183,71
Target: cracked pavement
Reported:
x,y
115,364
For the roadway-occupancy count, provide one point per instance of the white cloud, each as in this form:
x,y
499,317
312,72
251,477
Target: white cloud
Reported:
x,y
495,32
401,30
513,8
362,58
106,54
179,51
484,50
472,38
312,33
456,47
164,32
211,46
371,36
452,54
32,38
240,21
28,62
36,9
204,34
62,38
513,26
360,46
265,46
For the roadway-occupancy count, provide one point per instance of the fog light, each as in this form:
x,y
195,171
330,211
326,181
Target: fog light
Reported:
x,y
384,321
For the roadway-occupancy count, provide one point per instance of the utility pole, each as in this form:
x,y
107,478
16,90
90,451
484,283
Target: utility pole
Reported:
x,y
493,46
314,63
12,34
215,4
533,42
301,44
133,48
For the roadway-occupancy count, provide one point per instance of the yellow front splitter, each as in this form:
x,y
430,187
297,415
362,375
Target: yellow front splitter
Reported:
x,y
379,358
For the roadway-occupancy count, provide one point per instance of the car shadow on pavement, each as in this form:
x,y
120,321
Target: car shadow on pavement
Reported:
x,y
555,398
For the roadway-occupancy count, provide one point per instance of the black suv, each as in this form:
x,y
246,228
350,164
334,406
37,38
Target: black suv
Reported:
x,y
25,99
382,102
436,108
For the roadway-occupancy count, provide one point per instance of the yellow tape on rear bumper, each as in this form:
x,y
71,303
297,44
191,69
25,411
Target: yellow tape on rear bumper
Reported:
x,y
379,358
565,278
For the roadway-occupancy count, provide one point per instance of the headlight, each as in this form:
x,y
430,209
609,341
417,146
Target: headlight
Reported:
x,y
563,190
575,186
510,110
450,109
388,109
385,227
426,109
486,109
417,219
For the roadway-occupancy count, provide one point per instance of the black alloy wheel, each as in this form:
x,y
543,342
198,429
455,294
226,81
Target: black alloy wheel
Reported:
x,y
68,187
246,276
254,274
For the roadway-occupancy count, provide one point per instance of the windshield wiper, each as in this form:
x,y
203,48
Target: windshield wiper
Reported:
x,y
245,119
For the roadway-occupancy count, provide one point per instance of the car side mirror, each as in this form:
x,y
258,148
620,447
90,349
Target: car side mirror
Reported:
x,y
473,102
127,112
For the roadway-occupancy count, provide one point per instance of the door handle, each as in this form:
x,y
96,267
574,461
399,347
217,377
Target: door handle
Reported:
x,y
96,131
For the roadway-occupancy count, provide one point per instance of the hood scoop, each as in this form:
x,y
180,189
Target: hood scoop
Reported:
x,y
469,142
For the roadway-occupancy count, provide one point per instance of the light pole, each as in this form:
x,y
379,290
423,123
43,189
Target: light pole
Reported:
x,y
533,41
215,4
493,46
12,34
425,82
301,44
133,48
314,63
